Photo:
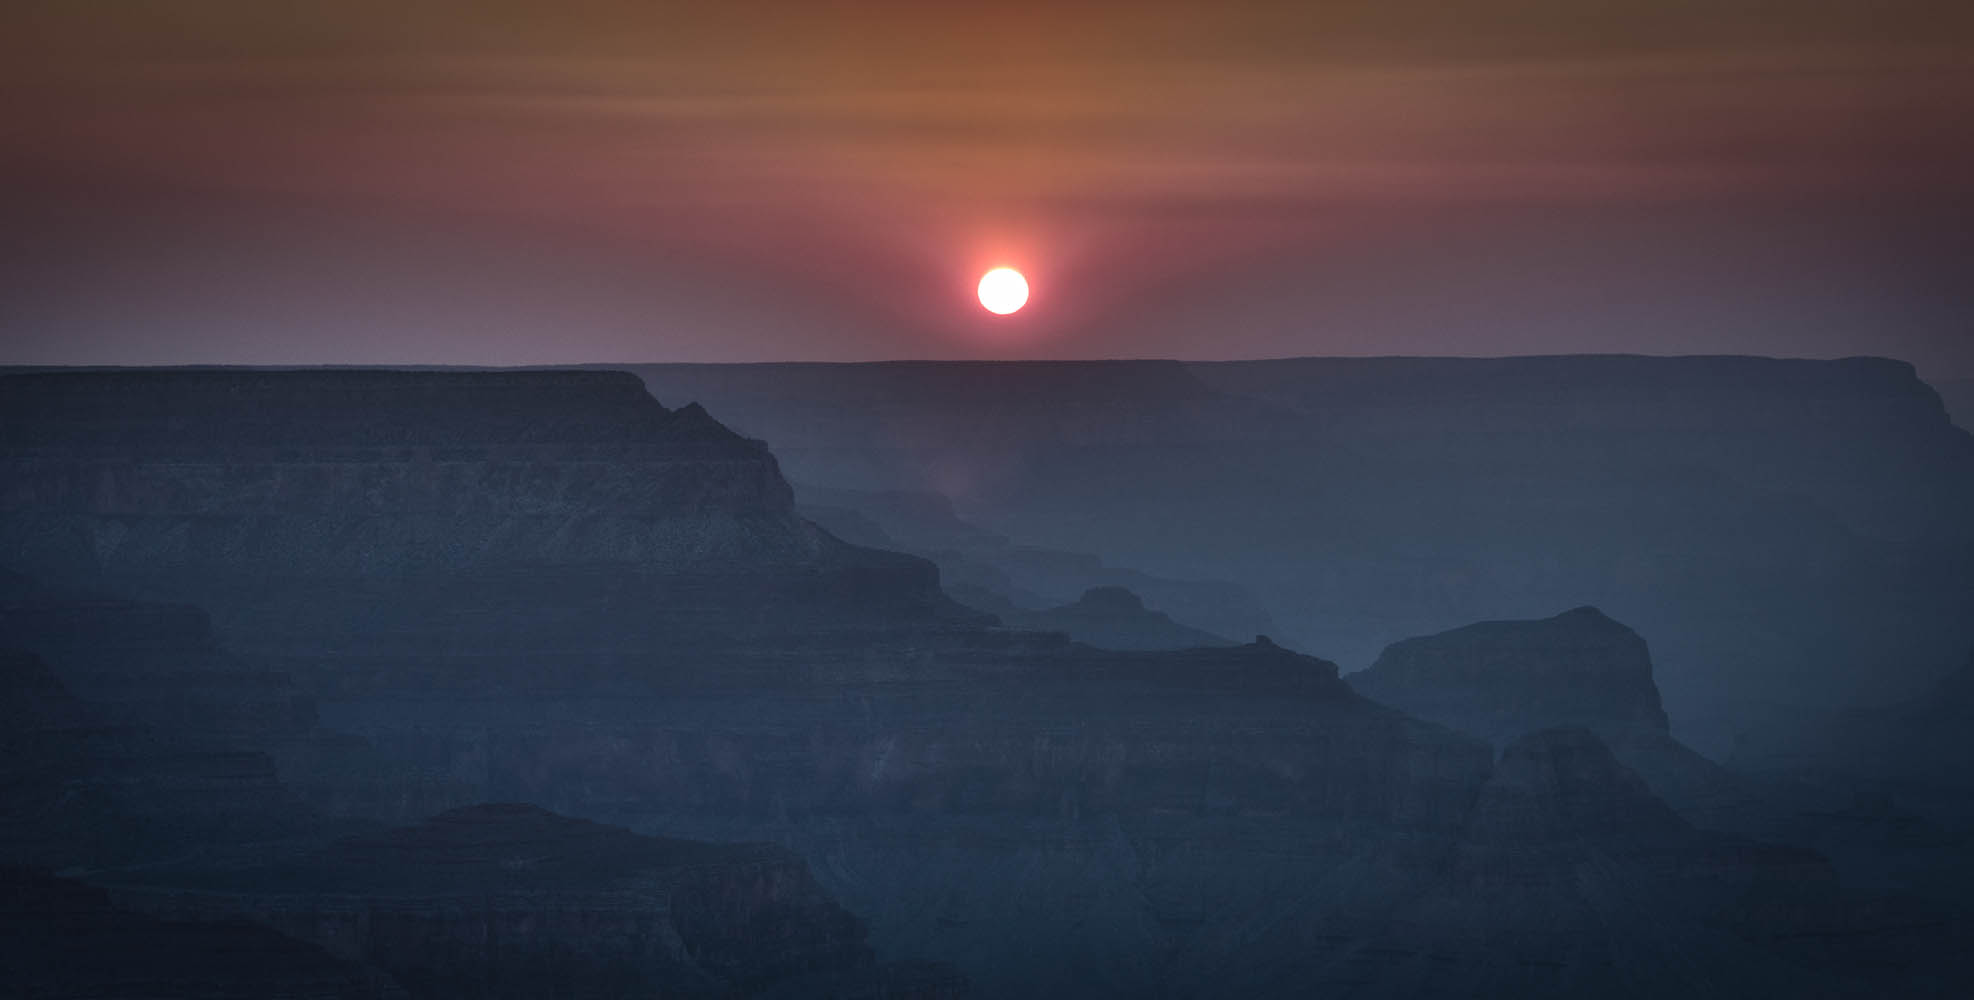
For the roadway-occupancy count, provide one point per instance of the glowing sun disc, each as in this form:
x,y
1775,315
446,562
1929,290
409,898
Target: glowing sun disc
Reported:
x,y
1003,290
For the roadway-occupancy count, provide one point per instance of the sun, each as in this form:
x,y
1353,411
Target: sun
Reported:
x,y
1003,290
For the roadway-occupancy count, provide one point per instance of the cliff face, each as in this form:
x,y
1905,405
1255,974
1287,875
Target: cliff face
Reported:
x,y
381,510
1579,669
1054,819
983,733
514,901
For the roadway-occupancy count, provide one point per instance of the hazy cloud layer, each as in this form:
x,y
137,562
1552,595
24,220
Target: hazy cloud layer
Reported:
x,y
201,181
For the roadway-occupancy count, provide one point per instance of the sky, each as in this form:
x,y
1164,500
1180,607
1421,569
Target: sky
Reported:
x,y
371,182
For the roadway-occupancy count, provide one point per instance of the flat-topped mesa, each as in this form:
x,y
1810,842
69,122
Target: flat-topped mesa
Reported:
x,y
299,506
1501,679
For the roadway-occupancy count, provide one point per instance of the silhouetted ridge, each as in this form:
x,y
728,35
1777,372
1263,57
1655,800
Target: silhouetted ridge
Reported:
x,y
989,571
692,422
1114,618
1502,679
1722,505
1109,600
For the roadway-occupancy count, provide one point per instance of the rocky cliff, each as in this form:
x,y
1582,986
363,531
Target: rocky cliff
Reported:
x,y
1052,818
423,518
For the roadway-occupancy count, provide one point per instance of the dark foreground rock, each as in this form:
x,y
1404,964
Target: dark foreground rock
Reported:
x,y
60,939
514,901
1573,880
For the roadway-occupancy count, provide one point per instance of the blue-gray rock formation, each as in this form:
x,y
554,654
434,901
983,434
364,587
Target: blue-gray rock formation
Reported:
x,y
994,573
1499,680
606,608
1725,506
61,939
1579,669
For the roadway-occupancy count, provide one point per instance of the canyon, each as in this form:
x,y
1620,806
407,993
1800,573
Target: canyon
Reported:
x,y
492,624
